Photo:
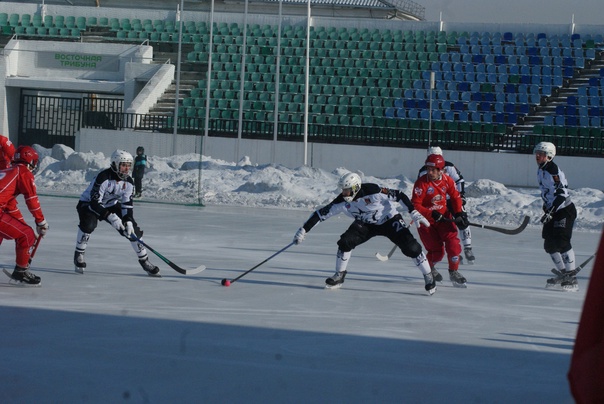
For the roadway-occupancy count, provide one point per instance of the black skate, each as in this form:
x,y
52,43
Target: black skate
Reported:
x,y
335,281
457,279
430,283
469,255
22,277
151,269
566,281
78,261
436,275
570,284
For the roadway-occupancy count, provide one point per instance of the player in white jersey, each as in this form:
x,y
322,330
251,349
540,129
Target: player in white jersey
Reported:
x,y
558,218
465,235
109,198
374,214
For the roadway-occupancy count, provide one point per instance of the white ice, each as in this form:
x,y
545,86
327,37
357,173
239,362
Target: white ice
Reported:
x,y
276,335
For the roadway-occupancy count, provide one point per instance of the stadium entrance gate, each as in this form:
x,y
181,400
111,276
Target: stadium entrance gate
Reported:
x,y
49,119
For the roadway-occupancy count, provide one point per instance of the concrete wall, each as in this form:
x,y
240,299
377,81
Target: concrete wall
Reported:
x,y
509,169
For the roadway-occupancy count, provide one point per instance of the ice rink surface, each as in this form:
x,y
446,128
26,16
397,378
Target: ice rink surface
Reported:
x,y
276,335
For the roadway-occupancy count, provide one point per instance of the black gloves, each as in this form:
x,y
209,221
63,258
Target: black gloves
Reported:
x,y
461,220
437,216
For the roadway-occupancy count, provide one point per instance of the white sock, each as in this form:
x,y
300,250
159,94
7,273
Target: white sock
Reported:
x,y
569,259
82,240
342,260
422,263
558,261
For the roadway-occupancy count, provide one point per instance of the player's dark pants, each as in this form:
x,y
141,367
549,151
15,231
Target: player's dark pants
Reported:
x,y
395,229
558,231
89,219
138,185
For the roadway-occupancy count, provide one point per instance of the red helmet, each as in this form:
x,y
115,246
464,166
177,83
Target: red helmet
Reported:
x,y
26,155
436,161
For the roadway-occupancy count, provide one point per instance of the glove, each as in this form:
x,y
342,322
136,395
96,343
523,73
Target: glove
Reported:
x,y
128,231
300,234
547,217
437,216
42,227
461,220
463,200
116,222
419,219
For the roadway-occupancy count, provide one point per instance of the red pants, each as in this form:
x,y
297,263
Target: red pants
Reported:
x,y
24,236
437,239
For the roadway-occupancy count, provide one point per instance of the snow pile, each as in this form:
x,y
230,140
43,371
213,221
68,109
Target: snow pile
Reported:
x,y
178,179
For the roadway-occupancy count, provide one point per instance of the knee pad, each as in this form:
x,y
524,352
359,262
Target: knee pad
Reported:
x,y
346,243
412,249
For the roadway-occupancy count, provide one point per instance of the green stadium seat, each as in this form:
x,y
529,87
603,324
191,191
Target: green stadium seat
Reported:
x,y
59,21
13,20
36,20
70,21
25,20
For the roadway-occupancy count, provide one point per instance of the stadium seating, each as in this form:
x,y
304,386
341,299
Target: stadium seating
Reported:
x,y
485,82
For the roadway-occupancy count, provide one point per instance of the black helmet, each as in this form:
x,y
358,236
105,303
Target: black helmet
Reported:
x,y
140,150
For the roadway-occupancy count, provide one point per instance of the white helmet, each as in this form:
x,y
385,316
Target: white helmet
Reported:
x,y
350,181
435,150
118,157
546,147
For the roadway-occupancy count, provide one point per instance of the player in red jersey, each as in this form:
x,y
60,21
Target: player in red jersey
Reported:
x,y
19,179
430,199
7,151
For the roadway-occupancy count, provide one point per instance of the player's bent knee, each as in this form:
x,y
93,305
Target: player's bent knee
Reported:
x,y
412,250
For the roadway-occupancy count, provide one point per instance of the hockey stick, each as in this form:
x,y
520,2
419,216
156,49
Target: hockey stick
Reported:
x,y
385,257
35,248
575,271
167,261
503,230
226,282
517,230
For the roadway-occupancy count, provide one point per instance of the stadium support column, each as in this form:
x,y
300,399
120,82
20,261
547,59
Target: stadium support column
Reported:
x,y
277,80
430,117
306,101
179,11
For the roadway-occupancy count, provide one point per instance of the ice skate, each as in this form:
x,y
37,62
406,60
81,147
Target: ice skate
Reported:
x,y
556,281
565,282
469,255
430,283
570,284
436,275
78,261
22,277
151,269
335,281
457,279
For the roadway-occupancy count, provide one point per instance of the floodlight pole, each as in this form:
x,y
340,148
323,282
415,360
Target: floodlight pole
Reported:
x,y
430,117
179,10
306,80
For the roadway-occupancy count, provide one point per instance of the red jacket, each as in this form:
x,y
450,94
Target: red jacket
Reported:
x,y
7,151
19,180
432,195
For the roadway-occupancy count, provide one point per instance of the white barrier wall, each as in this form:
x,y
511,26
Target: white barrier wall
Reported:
x,y
509,169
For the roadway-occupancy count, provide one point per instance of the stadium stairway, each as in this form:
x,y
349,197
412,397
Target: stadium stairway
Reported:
x,y
593,68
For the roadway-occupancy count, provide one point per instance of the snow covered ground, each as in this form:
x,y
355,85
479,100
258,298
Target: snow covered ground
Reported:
x,y
276,335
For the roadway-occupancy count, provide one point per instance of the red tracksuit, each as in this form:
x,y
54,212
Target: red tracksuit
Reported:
x,y
441,236
14,181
